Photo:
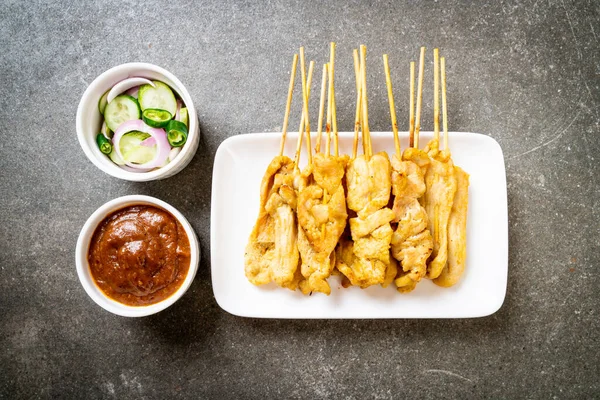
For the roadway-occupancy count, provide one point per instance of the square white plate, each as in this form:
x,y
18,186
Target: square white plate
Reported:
x,y
239,165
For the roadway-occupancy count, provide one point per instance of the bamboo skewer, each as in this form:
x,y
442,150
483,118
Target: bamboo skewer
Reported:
x,y
329,124
288,104
388,82
357,119
322,107
411,129
419,96
436,95
444,108
304,121
334,128
365,106
357,74
329,116
332,94
357,122
305,96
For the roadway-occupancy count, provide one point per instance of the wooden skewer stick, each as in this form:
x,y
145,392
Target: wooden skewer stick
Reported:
x,y
330,104
304,120
411,129
419,96
322,107
388,82
436,94
356,68
365,106
329,116
332,93
444,108
336,150
288,104
357,119
306,95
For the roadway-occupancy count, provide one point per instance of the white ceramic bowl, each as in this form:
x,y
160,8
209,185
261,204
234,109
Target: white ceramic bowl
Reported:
x,y
82,249
89,121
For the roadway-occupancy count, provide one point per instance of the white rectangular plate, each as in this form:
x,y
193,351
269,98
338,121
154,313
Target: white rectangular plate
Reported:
x,y
239,165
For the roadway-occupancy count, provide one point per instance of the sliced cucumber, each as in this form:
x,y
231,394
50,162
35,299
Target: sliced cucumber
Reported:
x,y
102,102
161,96
183,117
156,118
122,108
133,151
114,156
177,133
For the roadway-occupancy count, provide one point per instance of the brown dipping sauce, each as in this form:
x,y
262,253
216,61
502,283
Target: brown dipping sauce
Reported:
x,y
139,255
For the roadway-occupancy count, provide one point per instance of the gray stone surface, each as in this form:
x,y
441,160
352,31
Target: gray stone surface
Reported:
x,y
525,73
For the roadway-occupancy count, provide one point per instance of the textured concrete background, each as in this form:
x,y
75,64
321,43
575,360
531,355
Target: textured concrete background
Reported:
x,y
525,73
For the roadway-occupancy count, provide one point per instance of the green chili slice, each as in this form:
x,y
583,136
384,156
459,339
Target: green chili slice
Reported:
x,y
177,133
104,144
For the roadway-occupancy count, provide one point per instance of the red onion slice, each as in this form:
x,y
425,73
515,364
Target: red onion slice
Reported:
x,y
178,108
174,153
133,92
105,131
159,136
125,85
149,142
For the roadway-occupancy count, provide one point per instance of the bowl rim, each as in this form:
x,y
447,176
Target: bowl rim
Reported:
x,y
117,172
82,248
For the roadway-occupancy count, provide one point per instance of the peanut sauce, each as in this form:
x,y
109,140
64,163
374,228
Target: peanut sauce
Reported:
x,y
139,255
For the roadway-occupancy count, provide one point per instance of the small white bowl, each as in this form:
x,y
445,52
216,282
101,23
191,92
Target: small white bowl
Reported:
x,y
82,249
89,121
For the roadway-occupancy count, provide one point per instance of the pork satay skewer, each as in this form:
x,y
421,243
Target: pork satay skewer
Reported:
x,y
441,188
321,108
366,259
321,208
457,222
392,270
344,250
288,104
419,97
272,253
411,242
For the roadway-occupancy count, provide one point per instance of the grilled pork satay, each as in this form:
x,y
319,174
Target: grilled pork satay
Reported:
x,y
261,249
411,242
272,251
457,222
457,229
441,188
439,197
321,201
322,219
366,260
